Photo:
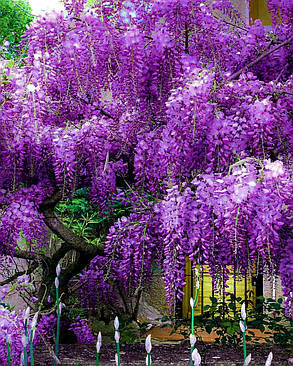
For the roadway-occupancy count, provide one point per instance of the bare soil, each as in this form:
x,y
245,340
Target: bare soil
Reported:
x,y
165,354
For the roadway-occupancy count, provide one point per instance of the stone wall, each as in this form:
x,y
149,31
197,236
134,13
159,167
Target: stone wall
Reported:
x,y
14,299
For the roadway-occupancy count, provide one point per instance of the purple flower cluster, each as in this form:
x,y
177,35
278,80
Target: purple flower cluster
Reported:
x,y
11,324
222,220
12,329
82,331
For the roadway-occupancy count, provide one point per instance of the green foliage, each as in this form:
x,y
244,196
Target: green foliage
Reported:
x,y
268,316
14,17
272,321
129,332
84,218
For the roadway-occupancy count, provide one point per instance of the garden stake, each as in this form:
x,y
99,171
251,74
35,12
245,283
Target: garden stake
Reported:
x,y
148,347
117,337
244,341
99,344
192,343
192,305
32,335
58,319
25,338
243,328
8,339
102,18
31,349
24,347
58,271
149,359
24,354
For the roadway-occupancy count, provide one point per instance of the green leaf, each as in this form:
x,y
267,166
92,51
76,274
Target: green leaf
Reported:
x,y
230,330
261,328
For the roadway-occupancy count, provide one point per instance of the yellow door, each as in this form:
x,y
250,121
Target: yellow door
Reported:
x,y
238,286
258,9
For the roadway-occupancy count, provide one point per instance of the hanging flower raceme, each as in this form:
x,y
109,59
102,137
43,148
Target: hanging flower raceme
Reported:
x,y
214,223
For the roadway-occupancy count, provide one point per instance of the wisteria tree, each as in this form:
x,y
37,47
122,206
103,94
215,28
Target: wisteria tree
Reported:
x,y
173,121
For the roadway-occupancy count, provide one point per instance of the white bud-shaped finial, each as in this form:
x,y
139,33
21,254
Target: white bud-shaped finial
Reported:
x,y
56,282
269,359
117,336
196,272
242,326
58,270
191,301
247,360
192,339
196,357
26,314
148,344
60,307
116,323
34,321
243,312
8,337
24,340
99,342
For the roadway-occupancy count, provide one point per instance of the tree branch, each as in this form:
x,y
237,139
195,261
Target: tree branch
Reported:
x,y
60,253
78,266
18,274
23,10
23,254
106,114
51,202
236,74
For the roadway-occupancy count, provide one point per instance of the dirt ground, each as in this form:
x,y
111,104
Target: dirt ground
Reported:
x,y
165,354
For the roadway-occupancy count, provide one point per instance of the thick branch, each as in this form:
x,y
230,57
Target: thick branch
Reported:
x,y
60,253
51,202
261,57
78,266
23,254
64,233
18,274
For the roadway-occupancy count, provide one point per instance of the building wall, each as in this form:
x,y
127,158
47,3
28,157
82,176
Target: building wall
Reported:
x,y
272,287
